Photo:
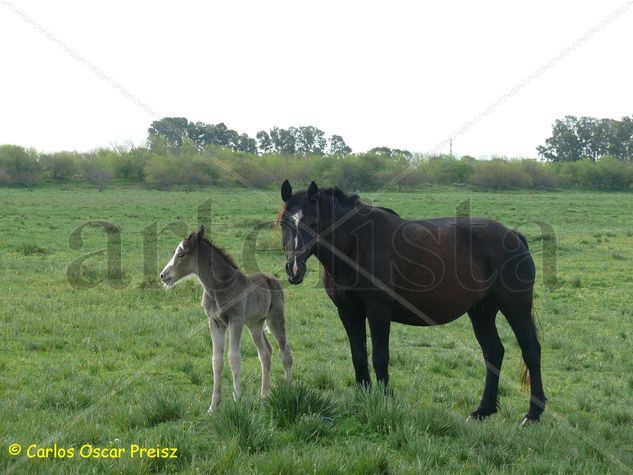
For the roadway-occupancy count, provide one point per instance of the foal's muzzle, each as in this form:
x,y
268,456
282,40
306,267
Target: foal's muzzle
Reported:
x,y
166,279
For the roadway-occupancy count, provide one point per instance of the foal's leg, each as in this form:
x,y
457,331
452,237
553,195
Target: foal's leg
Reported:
x,y
235,357
217,339
276,323
355,326
520,319
264,351
482,318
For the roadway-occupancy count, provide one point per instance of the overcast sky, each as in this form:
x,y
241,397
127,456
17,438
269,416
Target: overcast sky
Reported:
x,y
400,74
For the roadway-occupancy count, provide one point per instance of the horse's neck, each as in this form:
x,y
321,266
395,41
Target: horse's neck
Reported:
x,y
336,244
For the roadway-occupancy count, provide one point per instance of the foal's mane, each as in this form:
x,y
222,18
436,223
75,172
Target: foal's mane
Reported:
x,y
219,250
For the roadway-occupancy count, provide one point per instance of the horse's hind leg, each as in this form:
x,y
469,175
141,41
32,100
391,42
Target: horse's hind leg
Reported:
x,y
519,316
264,351
277,324
482,317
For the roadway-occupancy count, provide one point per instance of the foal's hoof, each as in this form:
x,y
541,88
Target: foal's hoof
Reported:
x,y
212,409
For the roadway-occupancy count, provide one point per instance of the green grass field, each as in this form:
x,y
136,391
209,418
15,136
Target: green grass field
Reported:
x,y
123,362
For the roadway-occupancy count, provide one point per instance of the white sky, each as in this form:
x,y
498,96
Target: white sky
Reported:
x,y
402,74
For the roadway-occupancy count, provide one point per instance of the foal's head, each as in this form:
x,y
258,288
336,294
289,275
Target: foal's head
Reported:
x,y
299,227
185,259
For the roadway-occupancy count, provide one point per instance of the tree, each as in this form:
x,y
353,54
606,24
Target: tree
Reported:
x,y
391,153
309,140
574,139
246,144
172,129
337,146
264,142
284,140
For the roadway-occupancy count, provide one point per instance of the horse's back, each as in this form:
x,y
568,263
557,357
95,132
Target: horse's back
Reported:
x,y
443,266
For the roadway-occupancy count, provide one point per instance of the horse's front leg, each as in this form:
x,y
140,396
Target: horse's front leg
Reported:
x,y
379,317
217,338
235,357
354,323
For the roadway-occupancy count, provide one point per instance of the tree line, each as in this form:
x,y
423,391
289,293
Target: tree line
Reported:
x,y
179,155
589,138
172,132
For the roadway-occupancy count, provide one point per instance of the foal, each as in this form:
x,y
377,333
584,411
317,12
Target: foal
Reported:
x,y
231,299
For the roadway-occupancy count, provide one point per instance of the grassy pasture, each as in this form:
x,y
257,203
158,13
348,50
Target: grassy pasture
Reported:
x,y
126,363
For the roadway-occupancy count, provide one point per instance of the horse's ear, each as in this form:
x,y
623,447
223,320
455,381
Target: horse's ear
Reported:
x,y
201,233
286,191
313,191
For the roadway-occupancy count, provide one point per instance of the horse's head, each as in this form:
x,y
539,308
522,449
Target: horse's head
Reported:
x,y
184,261
298,222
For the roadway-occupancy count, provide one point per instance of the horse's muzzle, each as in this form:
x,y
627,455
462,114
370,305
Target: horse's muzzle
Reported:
x,y
296,271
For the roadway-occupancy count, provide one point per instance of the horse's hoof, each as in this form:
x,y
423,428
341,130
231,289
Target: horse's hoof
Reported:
x,y
478,416
528,422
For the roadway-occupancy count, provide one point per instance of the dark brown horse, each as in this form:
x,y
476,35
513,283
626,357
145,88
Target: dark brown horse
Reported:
x,y
381,268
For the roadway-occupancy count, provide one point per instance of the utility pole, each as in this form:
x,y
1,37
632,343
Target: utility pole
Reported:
x,y
450,145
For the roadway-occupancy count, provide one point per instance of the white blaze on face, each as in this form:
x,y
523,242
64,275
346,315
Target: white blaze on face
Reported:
x,y
178,250
296,218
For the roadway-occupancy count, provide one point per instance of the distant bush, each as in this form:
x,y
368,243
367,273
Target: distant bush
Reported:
x,y
446,170
60,166
19,166
187,166
97,173
166,171
500,174
605,174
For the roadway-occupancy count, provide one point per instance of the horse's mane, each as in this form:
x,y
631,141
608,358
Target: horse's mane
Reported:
x,y
351,199
340,195
335,192
219,250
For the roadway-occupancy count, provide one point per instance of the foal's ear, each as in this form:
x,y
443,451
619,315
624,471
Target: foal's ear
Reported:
x,y
313,191
201,233
286,191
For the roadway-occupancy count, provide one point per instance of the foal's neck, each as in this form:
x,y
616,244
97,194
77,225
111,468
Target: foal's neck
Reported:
x,y
216,273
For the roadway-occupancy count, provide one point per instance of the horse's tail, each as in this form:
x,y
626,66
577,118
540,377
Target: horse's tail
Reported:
x,y
524,375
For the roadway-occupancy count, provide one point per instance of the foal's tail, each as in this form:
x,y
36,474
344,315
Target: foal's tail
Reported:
x,y
524,376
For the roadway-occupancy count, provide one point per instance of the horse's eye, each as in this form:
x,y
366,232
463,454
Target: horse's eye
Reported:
x,y
180,255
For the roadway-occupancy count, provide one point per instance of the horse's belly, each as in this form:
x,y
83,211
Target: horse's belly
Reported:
x,y
435,309
419,317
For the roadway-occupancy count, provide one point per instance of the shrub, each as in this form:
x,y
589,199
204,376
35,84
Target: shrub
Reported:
x,y
498,174
164,167
446,170
165,171
96,172
19,166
